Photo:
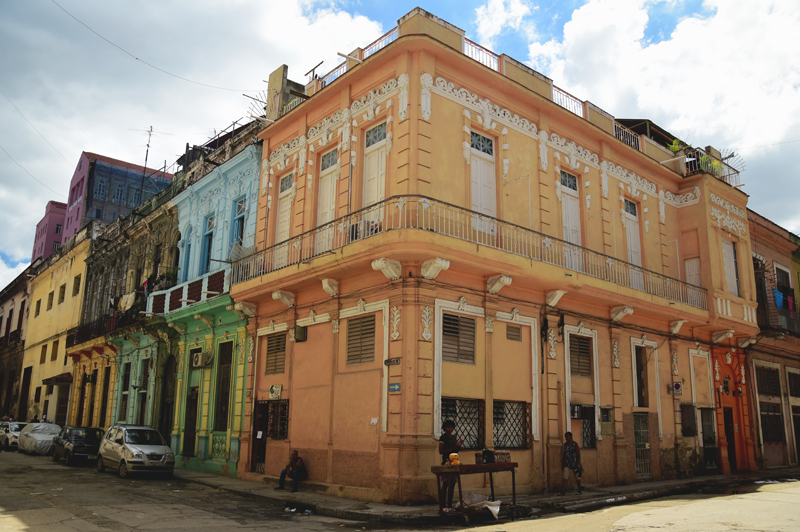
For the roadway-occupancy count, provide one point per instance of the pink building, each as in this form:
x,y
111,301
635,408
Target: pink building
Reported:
x,y
49,230
104,189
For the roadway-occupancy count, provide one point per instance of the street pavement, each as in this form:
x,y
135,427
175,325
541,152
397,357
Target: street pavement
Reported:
x,y
38,494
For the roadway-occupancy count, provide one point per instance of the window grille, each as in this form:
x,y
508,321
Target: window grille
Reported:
x,y
223,386
286,183
709,427
630,207
580,356
768,381
688,420
376,135
276,354
328,160
278,421
794,385
588,427
511,425
569,181
481,143
469,417
361,339
145,375
513,333
771,423
458,339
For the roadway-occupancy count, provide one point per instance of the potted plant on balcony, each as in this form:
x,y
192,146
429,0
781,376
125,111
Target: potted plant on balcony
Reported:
x,y
677,145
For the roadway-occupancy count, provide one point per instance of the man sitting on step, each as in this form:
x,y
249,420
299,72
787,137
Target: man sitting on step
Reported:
x,y
296,468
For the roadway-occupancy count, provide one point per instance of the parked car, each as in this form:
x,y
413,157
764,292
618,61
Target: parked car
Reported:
x,y
77,443
133,449
38,437
9,433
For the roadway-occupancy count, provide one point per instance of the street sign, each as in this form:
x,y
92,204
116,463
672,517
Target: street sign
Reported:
x,y
392,362
394,386
677,388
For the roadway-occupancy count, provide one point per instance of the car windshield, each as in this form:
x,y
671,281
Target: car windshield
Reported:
x,y
87,434
143,437
16,427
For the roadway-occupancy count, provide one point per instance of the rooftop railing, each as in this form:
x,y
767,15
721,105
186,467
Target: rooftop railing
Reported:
x,y
568,101
626,135
381,42
480,54
419,212
698,161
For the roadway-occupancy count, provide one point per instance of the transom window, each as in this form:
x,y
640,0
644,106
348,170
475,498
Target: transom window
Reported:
x,y
210,223
630,207
481,143
328,160
569,180
286,183
241,205
376,134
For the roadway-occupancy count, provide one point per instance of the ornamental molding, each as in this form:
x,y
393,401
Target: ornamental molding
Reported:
x,y
395,321
725,221
323,131
674,362
402,82
495,283
427,320
431,268
616,353
679,200
489,322
628,177
392,269
331,287
728,206
425,101
551,339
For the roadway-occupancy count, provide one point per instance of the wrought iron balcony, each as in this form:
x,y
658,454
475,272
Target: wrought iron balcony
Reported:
x,y
777,309
422,213
102,325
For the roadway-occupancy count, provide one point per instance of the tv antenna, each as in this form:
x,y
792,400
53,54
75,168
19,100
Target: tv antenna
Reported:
x,y
150,132
263,106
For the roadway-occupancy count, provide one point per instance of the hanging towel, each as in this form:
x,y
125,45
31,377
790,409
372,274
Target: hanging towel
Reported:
x,y
778,298
790,302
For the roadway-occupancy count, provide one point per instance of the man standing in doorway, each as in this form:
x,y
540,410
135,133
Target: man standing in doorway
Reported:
x,y
571,461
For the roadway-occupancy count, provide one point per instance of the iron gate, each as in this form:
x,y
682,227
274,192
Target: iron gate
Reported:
x,y
641,437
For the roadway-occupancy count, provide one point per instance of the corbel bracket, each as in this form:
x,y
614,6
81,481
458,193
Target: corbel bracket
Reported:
x,y
495,283
179,328
720,336
331,287
287,298
432,268
675,326
617,313
392,269
554,296
205,318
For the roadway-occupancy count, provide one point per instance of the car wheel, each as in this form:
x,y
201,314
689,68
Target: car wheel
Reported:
x,y
67,458
123,470
55,455
101,467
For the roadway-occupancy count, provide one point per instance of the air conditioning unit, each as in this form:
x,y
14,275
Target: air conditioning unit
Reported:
x,y
201,359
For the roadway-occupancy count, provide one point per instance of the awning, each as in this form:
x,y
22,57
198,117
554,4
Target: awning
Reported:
x,y
64,378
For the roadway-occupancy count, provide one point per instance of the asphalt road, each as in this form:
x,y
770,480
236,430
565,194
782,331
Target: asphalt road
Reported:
x,y
37,494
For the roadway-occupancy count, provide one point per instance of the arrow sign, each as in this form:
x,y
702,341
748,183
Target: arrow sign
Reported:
x,y
394,386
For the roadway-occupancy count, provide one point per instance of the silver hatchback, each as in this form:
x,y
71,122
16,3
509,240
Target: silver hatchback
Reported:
x,y
133,449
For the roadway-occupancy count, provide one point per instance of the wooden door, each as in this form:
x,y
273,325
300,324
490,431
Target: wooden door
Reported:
x,y
634,244
283,225
190,423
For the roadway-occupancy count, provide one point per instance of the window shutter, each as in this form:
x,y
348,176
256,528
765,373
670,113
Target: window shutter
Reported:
x,y
458,339
688,420
580,356
729,257
361,339
513,333
276,354
223,386
768,381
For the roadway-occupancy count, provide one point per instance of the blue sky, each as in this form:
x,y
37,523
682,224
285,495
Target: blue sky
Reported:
x,y
724,73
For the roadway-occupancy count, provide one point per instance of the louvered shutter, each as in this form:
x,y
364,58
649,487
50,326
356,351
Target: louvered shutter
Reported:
x,y
458,339
223,386
580,356
276,354
361,339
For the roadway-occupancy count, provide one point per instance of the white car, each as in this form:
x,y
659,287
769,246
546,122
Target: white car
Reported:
x,y
38,437
9,433
135,449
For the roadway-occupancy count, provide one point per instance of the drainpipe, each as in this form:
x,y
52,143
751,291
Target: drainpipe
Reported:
x,y
253,398
542,405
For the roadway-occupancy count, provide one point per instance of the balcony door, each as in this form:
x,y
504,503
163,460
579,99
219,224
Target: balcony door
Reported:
x,y
326,202
571,218
634,243
483,180
374,176
282,226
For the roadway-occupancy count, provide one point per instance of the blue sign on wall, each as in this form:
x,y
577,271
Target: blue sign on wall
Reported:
x,y
394,386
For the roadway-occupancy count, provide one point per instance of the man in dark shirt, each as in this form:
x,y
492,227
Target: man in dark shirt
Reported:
x,y
448,444
296,468
571,461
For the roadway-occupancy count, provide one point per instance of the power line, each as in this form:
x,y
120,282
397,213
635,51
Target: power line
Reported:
x,y
30,174
34,128
142,60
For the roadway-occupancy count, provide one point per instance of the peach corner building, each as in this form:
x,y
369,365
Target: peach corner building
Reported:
x,y
444,234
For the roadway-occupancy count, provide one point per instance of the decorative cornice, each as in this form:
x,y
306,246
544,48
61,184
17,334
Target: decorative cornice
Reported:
x,y
725,221
728,206
680,200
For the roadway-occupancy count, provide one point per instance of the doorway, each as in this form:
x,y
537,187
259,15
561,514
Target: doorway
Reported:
x,y
282,232
23,394
641,434
167,399
571,218
259,437
190,422
796,422
634,243
730,435
62,404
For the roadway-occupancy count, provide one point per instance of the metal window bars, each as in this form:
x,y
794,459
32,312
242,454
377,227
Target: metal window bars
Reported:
x,y
469,417
511,425
420,212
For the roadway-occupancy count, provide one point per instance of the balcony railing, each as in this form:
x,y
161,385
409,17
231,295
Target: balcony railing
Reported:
x,y
568,101
698,161
419,212
626,135
481,54
381,42
103,325
331,76
186,294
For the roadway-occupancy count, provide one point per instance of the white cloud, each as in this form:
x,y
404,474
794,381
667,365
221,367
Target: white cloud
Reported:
x,y
496,15
730,79
9,273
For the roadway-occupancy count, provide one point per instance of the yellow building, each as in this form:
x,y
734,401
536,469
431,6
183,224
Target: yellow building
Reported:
x,y
445,234
57,295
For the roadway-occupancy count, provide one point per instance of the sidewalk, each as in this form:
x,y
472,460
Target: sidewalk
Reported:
x,y
592,497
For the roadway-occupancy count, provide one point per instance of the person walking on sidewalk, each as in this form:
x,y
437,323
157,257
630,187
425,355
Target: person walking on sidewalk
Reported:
x,y
296,468
571,461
